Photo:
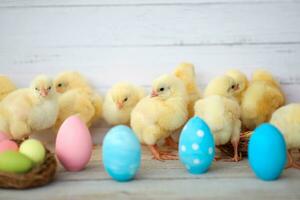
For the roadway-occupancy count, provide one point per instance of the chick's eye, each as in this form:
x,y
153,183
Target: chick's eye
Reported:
x,y
126,99
232,87
59,85
49,88
36,89
161,89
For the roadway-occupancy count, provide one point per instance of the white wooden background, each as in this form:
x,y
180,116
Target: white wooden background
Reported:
x,y
113,40
137,40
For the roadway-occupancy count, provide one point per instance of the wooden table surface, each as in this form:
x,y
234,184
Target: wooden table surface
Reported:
x,y
163,180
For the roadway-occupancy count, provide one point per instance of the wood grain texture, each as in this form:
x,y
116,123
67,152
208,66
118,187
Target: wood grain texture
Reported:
x,y
143,42
105,3
220,24
138,40
106,66
164,180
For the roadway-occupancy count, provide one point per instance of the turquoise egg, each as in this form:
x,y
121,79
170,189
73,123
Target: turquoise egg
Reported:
x,y
196,146
121,153
267,152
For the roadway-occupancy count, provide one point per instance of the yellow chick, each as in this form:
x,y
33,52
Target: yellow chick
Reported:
x,y
69,80
7,86
261,99
156,116
287,120
242,83
119,102
31,109
77,97
221,112
186,72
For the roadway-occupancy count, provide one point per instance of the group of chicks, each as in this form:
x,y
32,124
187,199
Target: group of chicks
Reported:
x,y
230,104
46,104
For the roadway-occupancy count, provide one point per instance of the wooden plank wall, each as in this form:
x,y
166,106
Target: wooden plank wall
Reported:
x,y
134,40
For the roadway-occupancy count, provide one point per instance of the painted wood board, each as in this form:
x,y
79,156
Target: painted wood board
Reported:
x,y
141,40
70,3
222,24
164,180
106,66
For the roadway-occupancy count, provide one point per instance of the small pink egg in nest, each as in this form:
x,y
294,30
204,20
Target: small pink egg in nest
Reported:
x,y
8,145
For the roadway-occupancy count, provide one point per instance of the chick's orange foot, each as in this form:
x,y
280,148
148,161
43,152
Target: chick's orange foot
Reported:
x,y
161,155
169,141
293,165
236,157
217,159
233,159
291,162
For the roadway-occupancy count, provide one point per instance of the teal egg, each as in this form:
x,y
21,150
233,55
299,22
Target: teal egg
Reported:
x,y
121,153
196,146
267,152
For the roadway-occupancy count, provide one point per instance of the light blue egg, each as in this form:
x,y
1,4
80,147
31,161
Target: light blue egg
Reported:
x,y
196,146
267,152
121,153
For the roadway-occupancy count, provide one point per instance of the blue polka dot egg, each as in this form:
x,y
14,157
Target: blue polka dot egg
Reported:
x,y
196,146
121,153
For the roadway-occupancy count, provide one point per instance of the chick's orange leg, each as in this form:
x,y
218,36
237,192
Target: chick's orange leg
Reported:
x,y
236,157
159,155
235,145
216,158
291,161
169,141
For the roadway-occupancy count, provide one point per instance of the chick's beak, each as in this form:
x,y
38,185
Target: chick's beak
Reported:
x,y
120,105
237,87
44,92
154,93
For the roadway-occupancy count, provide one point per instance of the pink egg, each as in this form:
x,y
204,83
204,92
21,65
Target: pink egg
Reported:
x,y
8,145
3,136
73,144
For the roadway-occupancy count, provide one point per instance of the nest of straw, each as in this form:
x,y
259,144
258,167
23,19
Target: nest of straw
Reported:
x,y
37,176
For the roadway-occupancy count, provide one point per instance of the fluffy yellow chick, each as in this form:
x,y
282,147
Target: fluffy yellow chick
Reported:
x,y
6,86
221,112
186,72
70,80
119,102
242,83
261,99
156,116
77,97
31,109
287,120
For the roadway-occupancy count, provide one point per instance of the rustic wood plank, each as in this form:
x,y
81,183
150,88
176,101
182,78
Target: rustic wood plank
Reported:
x,y
48,40
142,65
164,189
165,180
85,3
141,40
179,25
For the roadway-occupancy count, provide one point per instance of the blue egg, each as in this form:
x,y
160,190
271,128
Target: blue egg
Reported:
x,y
196,146
121,153
267,152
